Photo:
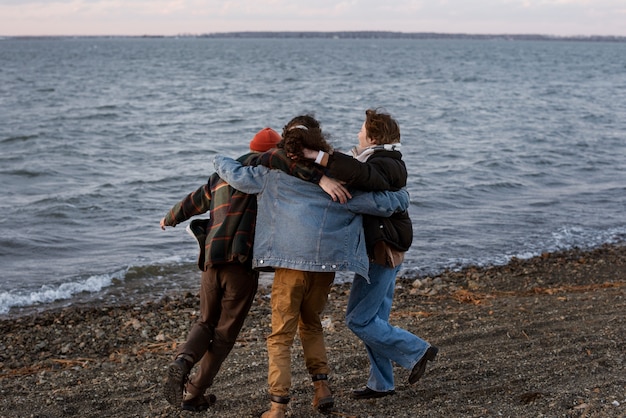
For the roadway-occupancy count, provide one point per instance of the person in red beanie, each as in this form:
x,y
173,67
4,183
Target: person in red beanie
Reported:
x,y
228,282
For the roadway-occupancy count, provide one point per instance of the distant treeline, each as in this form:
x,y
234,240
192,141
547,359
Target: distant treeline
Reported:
x,y
405,35
360,35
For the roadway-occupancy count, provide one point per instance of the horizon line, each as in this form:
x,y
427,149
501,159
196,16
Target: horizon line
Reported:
x,y
388,34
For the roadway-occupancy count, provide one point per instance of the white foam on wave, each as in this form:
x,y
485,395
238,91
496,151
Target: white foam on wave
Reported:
x,y
64,291
565,238
561,239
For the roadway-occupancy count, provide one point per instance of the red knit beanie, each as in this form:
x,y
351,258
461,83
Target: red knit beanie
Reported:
x,y
265,139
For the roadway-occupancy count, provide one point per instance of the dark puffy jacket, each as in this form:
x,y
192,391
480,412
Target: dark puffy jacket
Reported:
x,y
384,170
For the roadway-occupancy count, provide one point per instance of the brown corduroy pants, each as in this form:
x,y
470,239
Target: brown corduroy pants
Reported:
x,y
226,294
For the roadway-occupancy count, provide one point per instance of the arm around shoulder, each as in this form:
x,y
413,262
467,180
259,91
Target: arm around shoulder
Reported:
x,y
246,179
382,204
372,175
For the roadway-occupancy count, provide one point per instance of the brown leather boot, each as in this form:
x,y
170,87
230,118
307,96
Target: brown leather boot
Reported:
x,y
278,408
323,399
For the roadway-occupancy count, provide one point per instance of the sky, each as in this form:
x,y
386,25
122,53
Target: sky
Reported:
x,y
185,17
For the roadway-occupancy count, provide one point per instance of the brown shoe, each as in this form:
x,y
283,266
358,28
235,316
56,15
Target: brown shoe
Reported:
x,y
367,393
199,403
323,399
278,408
177,375
420,367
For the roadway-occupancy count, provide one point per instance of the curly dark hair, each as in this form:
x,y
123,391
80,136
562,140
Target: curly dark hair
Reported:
x,y
303,131
381,127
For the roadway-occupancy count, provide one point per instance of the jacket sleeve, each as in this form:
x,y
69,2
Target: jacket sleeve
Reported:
x,y
375,174
276,159
246,179
193,204
382,204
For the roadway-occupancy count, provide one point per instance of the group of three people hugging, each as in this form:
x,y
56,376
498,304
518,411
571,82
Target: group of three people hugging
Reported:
x,y
294,206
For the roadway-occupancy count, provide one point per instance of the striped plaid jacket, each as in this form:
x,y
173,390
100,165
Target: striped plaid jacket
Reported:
x,y
230,229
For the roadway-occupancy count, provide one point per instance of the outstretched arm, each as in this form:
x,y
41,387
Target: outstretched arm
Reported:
x,y
195,203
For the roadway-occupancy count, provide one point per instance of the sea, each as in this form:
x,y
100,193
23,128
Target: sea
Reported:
x,y
514,148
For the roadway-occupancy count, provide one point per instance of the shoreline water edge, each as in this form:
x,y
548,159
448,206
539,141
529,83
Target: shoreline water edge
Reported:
x,y
536,337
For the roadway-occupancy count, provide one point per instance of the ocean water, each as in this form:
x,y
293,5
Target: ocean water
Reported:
x,y
513,148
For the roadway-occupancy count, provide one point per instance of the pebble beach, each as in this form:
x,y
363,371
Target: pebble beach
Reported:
x,y
542,337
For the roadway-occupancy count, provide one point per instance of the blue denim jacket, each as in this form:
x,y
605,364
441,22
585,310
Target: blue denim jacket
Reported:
x,y
300,227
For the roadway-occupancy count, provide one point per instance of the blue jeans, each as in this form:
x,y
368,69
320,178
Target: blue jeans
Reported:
x,y
367,315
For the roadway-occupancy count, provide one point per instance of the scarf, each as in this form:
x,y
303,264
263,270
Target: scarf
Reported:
x,y
363,155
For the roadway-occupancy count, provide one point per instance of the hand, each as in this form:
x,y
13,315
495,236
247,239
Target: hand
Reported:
x,y
335,189
309,154
162,223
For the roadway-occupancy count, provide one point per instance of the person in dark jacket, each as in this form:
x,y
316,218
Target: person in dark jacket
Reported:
x,y
228,284
376,164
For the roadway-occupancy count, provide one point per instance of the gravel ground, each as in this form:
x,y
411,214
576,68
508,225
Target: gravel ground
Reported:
x,y
536,338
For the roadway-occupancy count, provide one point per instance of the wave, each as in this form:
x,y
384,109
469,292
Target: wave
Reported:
x,y
48,294
18,138
523,248
133,282
24,172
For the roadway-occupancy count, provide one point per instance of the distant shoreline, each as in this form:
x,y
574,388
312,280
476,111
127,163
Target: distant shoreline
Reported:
x,y
350,35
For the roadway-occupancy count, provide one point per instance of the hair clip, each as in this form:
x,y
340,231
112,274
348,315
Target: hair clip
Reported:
x,y
299,127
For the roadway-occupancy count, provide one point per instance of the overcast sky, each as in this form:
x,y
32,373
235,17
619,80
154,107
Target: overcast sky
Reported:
x,y
174,17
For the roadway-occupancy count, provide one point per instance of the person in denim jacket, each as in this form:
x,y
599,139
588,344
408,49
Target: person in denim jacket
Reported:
x,y
306,237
